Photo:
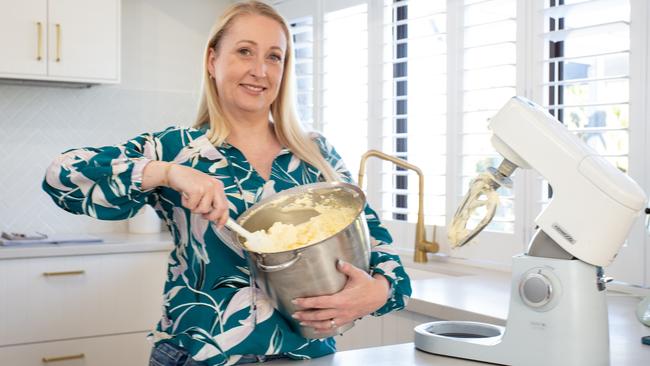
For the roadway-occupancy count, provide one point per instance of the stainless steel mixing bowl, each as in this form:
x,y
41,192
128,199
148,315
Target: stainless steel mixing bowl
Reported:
x,y
309,270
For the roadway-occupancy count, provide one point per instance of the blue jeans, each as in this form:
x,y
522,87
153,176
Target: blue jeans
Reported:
x,y
169,354
255,359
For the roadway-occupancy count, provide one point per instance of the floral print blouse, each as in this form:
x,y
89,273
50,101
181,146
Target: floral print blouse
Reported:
x,y
207,296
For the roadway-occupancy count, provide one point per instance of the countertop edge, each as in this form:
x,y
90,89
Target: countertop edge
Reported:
x,y
113,243
435,310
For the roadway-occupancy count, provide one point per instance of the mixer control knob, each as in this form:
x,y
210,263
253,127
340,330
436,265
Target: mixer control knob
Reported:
x,y
536,290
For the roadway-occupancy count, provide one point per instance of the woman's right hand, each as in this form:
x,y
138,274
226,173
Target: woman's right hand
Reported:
x,y
200,192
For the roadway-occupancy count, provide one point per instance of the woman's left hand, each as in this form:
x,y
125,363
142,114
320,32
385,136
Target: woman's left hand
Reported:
x,y
361,296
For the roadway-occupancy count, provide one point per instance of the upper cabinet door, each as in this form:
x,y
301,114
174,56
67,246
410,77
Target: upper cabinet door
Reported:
x,y
84,40
23,37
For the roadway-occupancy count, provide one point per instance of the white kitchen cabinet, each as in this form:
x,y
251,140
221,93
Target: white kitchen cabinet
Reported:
x,y
60,40
366,332
99,306
23,42
394,328
398,326
123,350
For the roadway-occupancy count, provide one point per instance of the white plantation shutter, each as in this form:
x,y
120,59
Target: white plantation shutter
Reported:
x,y
302,31
345,80
586,85
486,77
331,58
489,80
586,72
302,18
413,118
418,79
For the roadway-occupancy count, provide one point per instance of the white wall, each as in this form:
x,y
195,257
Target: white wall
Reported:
x,y
162,45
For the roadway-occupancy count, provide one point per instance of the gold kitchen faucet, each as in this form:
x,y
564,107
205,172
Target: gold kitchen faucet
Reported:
x,y
422,246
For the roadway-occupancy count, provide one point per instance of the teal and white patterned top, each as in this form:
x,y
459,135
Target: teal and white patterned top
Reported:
x,y
207,296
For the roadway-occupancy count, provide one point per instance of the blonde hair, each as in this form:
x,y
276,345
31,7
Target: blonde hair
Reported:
x,y
285,120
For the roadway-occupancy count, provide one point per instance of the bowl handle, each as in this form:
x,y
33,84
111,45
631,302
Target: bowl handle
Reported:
x,y
278,267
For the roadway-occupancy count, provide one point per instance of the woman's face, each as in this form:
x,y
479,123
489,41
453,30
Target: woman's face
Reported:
x,y
247,68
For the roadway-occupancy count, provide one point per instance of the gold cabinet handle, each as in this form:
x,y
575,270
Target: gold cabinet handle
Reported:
x,y
58,42
39,46
64,273
63,358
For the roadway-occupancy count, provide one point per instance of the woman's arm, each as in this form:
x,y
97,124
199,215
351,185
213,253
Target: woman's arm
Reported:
x,y
361,296
156,174
114,182
385,289
384,259
105,182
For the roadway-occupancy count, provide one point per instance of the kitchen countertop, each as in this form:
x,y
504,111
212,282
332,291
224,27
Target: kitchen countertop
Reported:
x,y
113,243
463,295
483,295
454,292
394,355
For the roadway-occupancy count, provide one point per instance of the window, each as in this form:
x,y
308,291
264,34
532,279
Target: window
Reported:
x,y
489,80
345,82
587,72
485,78
419,79
586,86
302,31
414,106
332,102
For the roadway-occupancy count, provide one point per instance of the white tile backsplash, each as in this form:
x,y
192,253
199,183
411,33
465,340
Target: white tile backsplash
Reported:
x,y
162,48
37,123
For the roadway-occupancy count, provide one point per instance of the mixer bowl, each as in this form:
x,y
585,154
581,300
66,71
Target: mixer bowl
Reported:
x,y
309,270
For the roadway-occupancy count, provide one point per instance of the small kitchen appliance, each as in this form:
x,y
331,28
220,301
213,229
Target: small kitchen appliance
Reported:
x,y
558,311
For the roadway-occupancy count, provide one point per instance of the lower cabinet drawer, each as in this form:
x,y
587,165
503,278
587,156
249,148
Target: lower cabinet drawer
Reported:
x,y
123,350
45,299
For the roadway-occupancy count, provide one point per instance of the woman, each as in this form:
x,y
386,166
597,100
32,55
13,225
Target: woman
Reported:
x,y
196,178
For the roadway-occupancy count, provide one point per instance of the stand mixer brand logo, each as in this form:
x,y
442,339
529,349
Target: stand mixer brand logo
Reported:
x,y
564,233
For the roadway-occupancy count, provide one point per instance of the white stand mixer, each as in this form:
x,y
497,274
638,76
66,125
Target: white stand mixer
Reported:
x,y
558,310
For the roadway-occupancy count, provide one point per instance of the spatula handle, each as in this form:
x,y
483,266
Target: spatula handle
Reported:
x,y
232,225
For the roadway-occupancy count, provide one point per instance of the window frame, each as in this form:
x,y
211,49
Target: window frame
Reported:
x,y
495,249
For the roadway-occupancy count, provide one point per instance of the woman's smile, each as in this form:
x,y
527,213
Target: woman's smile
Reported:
x,y
253,89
